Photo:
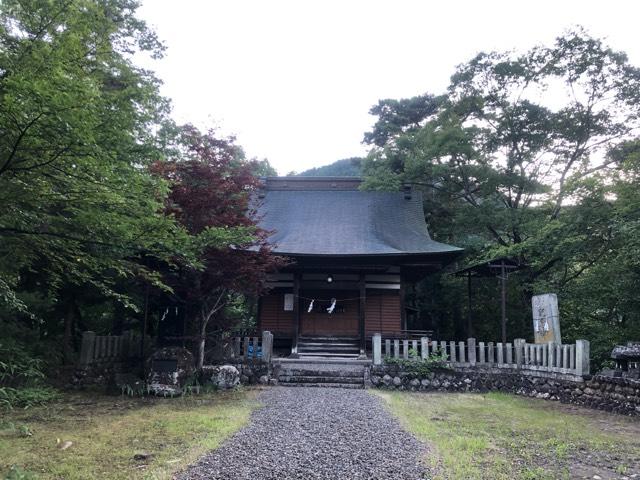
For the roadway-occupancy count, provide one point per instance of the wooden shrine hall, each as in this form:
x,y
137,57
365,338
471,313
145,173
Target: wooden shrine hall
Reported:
x,y
352,253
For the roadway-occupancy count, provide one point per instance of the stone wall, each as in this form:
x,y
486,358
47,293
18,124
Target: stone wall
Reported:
x,y
251,373
100,374
620,395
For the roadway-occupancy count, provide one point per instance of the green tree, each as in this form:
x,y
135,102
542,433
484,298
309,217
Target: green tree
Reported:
x,y
513,159
79,205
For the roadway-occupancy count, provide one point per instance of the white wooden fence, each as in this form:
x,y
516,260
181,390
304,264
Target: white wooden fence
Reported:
x,y
566,359
254,348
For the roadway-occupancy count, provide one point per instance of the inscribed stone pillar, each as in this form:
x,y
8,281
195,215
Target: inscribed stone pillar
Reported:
x,y
546,319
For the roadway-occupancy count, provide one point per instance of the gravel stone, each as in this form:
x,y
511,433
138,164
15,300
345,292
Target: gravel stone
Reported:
x,y
316,433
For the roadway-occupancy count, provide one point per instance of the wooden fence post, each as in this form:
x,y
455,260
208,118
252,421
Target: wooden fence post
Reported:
x,y
461,356
582,357
376,341
87,348
471,350
424,348
267,346
518,345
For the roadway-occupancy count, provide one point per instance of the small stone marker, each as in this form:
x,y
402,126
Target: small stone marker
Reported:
x,y
546,319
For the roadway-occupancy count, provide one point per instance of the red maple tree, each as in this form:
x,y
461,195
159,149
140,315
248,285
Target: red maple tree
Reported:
x,y
210,193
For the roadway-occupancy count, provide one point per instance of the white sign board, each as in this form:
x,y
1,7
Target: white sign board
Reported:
x,y
288,302
546,318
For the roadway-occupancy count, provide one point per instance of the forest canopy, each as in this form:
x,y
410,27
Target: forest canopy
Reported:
x,y
531,156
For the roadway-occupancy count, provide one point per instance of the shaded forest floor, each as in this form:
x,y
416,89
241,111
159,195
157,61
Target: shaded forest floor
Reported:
x,y
501,436
118,437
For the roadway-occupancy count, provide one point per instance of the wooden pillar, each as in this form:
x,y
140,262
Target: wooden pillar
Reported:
x,y
469,307
503,281
296,314
361,315
403,310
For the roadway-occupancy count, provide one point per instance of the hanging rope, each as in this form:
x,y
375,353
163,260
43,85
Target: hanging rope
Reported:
x,y
328,299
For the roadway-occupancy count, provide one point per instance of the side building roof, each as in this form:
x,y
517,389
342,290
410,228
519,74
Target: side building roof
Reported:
x,y
329,216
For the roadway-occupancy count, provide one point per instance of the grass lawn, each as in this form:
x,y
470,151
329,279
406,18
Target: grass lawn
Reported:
x,y
108,431
500,436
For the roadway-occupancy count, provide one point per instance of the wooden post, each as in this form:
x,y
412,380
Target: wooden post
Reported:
x,y
471,350
469,309
296,314
254,350
518,345
572,357
361,316
582,357
245,348
267,346
87,348
503,281
376,344
424,348
403,310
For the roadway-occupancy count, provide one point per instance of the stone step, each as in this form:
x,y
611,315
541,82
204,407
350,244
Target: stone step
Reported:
x,y
320,362
320,379
324,385
290,372
319,354
328,344
328,348
327,339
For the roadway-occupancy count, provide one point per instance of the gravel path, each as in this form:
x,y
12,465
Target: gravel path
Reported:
x,y
315,433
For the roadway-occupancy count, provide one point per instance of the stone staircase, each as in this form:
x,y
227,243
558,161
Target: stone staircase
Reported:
x,y
322,373
328,347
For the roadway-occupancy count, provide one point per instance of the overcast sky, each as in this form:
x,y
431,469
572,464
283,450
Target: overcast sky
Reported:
x,y
294,80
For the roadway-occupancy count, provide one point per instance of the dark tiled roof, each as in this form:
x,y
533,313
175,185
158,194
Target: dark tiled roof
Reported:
x,y
344,222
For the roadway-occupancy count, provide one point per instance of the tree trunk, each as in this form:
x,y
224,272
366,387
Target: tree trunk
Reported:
x,y
201,342
69,322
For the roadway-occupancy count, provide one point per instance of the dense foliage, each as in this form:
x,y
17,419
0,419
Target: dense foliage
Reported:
x,y
209,197
528,156
105,201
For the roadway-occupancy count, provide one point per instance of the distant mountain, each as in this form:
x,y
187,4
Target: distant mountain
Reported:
x,y
348,167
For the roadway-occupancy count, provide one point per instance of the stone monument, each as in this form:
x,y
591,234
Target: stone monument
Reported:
x,y
546,318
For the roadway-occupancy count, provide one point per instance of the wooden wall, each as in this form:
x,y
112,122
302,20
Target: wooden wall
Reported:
x,y
272,316
382,314
342,322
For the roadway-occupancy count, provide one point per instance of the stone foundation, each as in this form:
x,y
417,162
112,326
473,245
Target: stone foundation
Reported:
x,y
251,373
619,395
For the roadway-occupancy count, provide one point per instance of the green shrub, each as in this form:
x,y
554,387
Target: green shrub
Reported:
x,y
26,397
21,377
416,367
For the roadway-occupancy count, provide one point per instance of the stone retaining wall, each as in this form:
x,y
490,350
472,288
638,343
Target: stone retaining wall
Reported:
x,y
619,395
